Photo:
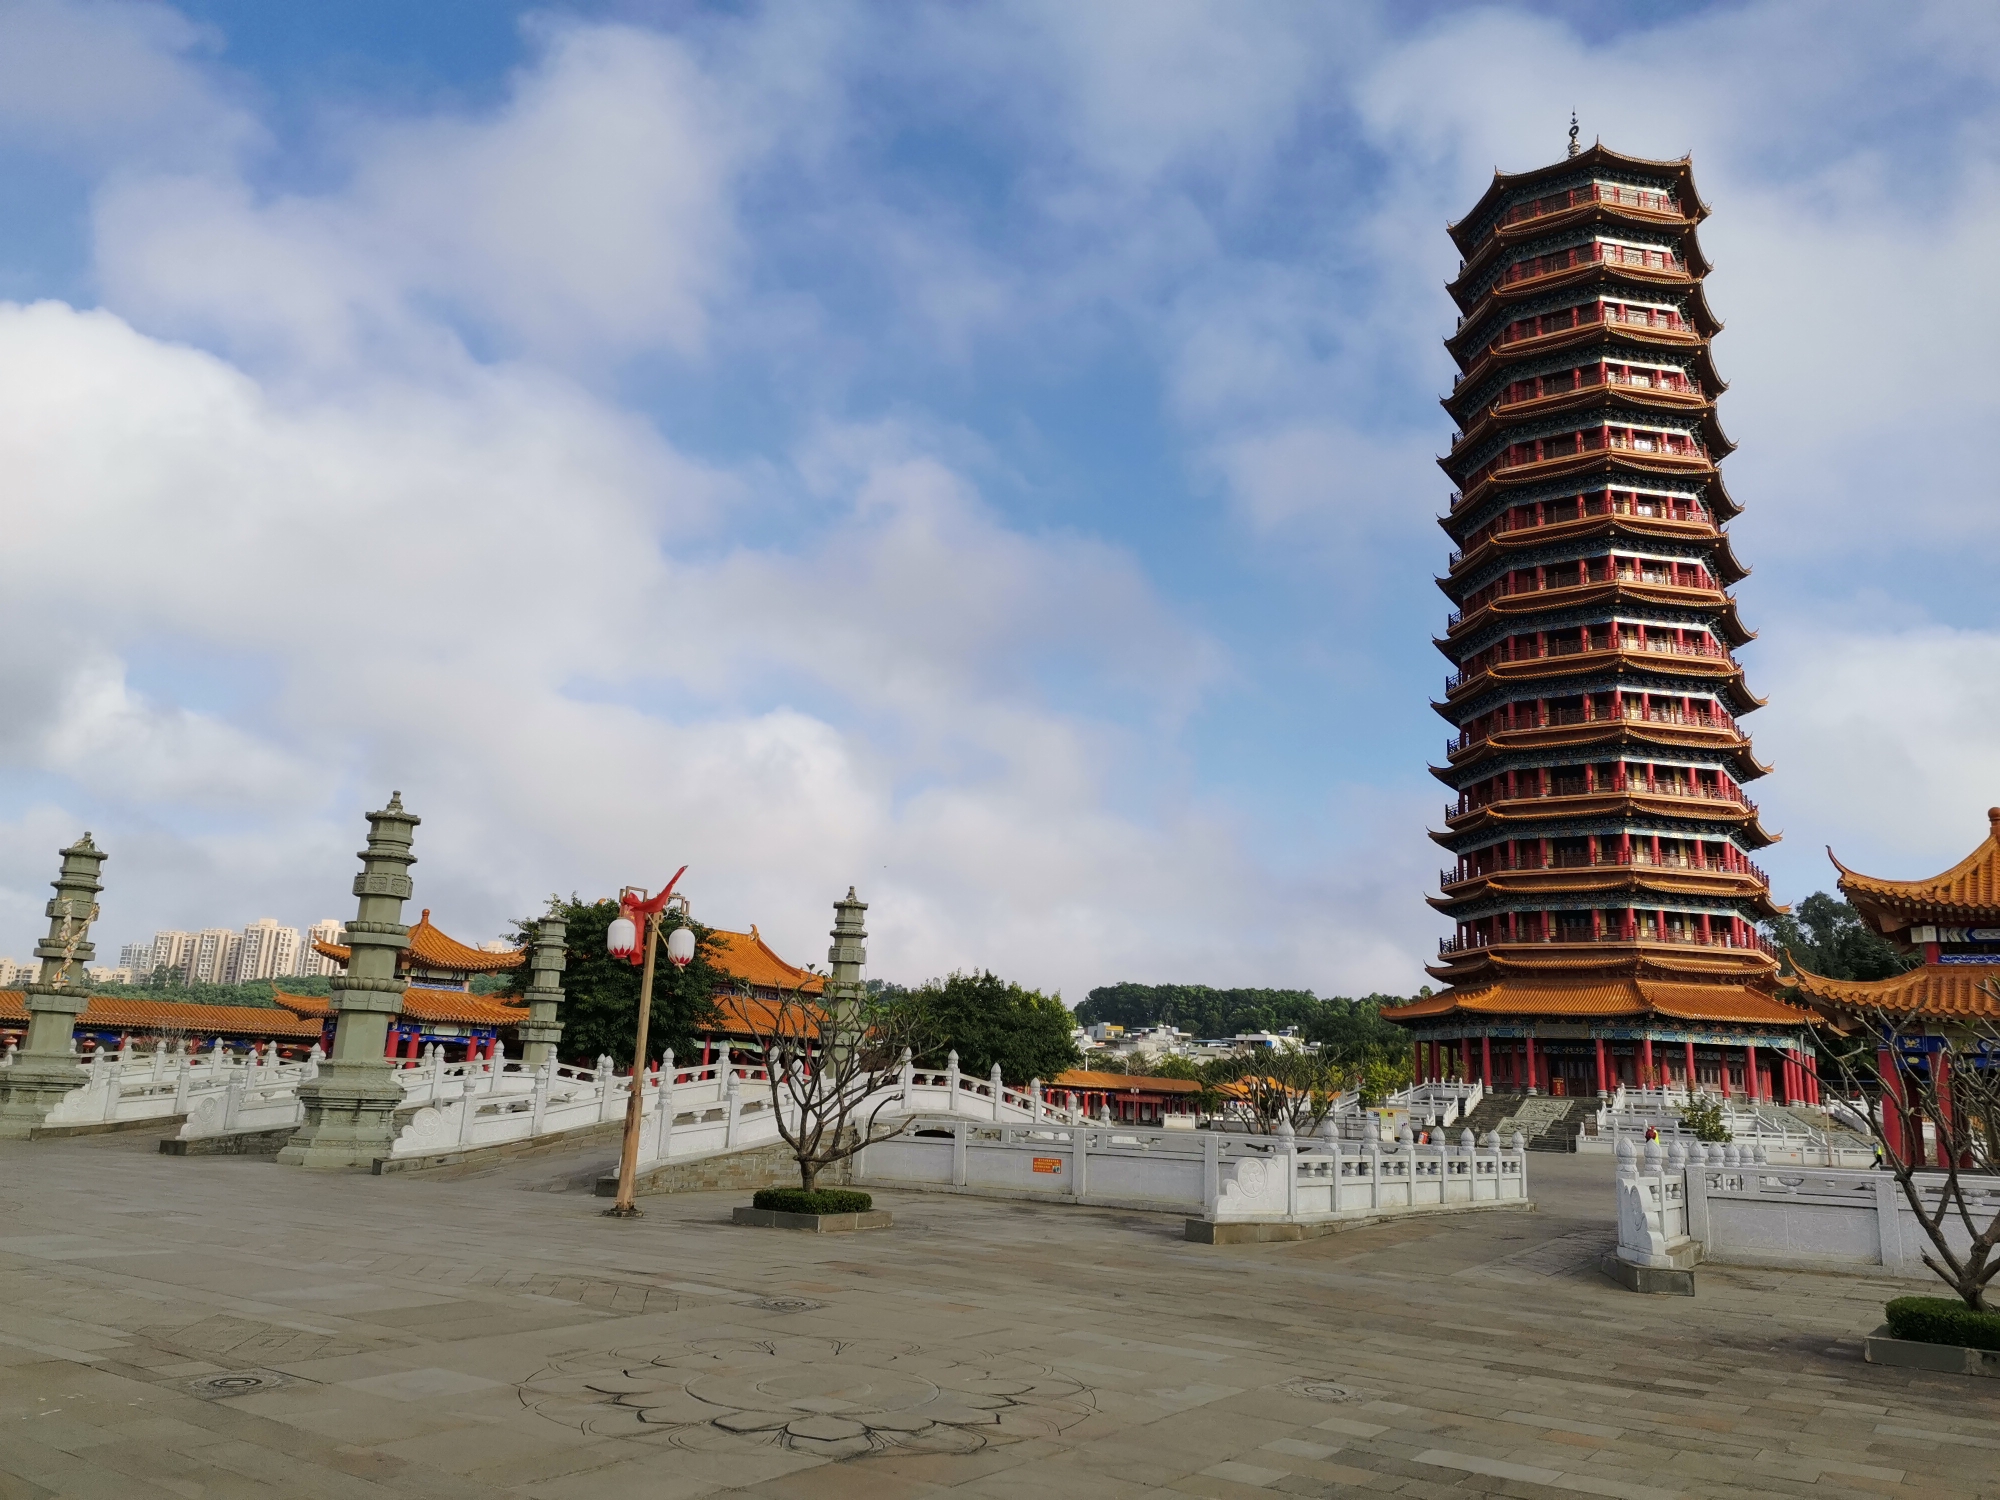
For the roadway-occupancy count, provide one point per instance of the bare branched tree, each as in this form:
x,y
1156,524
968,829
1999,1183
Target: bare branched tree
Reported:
x,y
1295,1088
1939,1099
834,1066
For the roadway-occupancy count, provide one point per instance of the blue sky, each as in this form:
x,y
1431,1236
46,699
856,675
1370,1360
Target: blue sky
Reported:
x,y
979,453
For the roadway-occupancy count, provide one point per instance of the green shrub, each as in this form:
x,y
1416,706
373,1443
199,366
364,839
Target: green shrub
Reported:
x,y
818,1201
1943,1320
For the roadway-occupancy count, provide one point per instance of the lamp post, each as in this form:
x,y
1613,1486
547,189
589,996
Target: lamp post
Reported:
x,y
636,912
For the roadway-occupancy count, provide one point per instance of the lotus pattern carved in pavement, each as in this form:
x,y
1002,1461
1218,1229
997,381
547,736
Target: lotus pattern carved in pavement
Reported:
x,y
825,1397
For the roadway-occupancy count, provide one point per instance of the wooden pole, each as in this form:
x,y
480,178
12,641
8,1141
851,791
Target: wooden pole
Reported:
x,y
635,1104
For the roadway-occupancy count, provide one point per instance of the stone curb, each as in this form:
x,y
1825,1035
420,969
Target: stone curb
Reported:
x,y
1273,1232
1950,1359
766,1218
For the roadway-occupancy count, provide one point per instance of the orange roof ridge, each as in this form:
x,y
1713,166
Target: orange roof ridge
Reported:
x,y
1970,887
747,957
428,945
1942,990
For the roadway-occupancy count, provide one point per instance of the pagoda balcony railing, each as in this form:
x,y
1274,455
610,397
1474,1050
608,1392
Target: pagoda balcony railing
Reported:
x,y
1701,583
1557,718
1709,649
1596,441
1622,197
1474,942
1641,859
1596,253
1656,510
1654,319
1685,791
1591,378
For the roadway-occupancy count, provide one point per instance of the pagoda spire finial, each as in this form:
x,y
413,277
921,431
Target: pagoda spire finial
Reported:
x,y
1573,131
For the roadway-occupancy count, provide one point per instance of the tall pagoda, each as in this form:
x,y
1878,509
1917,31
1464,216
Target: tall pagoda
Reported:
x,y
1602,887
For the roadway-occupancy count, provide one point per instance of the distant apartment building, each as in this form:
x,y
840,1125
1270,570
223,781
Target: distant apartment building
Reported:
x,y
138,957
13,975
311,960
98,974
172,951
265,950
214,961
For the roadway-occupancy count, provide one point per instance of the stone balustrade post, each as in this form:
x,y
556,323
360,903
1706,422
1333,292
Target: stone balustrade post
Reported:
x,y
1034,1099
542,1031
907,1077
732,1099
45,1067
606,1082
538,1109
666,1134
350,1106
951,1081
998,1089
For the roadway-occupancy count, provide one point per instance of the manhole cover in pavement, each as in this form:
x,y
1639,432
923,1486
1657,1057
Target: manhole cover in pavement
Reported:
x,y
1321,1390
235,1383
789,1304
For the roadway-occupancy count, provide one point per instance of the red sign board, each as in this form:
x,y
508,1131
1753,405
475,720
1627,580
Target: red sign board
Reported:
x,y
1049,1164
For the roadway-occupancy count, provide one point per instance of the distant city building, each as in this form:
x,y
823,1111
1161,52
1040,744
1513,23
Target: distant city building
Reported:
x,y
101,975
314,963
172,951
138,957
215,950
265,951
13,975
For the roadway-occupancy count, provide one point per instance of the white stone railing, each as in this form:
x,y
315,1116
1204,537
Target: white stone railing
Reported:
x,y
689,1111
126,1086
1223,1176
1440,1101
1720,1203
1631,1113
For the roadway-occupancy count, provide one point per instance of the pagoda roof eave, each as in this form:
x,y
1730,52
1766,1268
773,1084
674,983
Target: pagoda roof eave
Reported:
x,y
1598,734
1497,815
1592,158
1665,342
1945,992
1618,998
1968,893
1605,461
1505,236
1497,304
1641,399
1582,597
1715,674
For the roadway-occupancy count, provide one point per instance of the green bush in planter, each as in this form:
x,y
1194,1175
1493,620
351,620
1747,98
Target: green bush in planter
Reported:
x,y
1943,1320
818,1201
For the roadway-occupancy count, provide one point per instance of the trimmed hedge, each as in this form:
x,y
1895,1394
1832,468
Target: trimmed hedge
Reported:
x,y
818,1201
1943,1320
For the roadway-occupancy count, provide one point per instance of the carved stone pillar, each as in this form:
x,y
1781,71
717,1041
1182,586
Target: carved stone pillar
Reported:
x,y
350,1106
847,955
45,1068
541,1031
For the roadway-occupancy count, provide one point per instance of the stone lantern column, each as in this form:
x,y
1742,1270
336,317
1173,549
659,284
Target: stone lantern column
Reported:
x,y
541,1031
46,1068
350,1107
847,955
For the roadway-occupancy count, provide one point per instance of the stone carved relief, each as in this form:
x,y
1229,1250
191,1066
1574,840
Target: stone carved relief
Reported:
x,y
825,1397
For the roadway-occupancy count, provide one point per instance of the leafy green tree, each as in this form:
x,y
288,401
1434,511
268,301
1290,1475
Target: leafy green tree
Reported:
x,y
600,1009
1827,936
987,1019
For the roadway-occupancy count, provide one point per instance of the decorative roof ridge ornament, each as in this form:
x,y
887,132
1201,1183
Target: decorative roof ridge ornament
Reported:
x,y
1573,130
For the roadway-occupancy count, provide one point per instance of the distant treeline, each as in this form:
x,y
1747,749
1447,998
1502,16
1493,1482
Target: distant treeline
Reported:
x,y
1346,1028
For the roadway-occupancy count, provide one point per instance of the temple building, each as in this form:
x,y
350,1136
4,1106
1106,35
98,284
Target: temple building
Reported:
x,y
1601,884
438,1005
1952,921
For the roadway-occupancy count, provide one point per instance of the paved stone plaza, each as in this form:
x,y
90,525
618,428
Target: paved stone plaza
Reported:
x,y
227,1327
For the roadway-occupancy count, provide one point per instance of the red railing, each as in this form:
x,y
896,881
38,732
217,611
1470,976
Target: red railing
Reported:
x,y
1658,510
1475,941
1657,319
1597,252
1563,717
1622,197
1562,860
1686,791
1455,680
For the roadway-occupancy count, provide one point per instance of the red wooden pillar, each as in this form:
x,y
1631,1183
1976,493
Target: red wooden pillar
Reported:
x,y
1647,1077
1892,1101
1486,1062
1940,1062
389,1047
1690,1067
1528,1051
1601,1089
1750,1071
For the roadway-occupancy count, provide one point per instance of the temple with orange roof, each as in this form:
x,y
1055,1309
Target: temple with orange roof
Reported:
x,y
755,979
1953,921
438,1004
1602,888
